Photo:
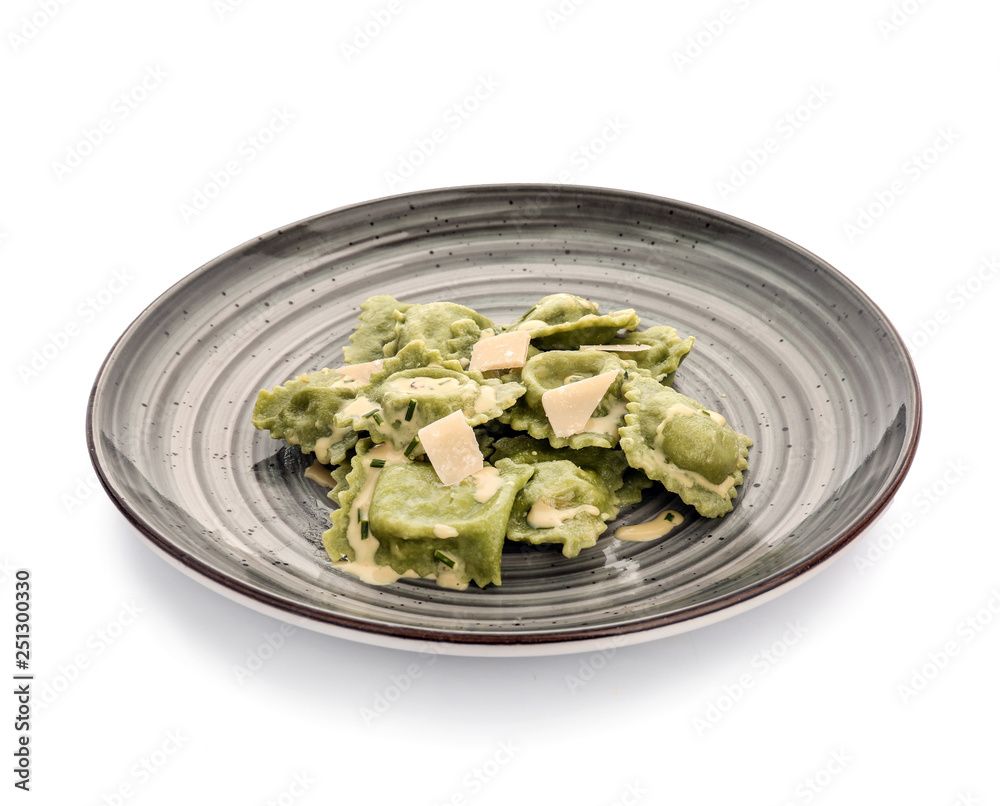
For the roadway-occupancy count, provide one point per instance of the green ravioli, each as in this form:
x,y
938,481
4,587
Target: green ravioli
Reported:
x,y
665,353
565,321
376,328
447,327
564,504
634,482
418,527
555,368
674,439
572,494
303,412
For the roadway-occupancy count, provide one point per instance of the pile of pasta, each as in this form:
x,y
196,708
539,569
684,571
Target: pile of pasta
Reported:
x,y
445,434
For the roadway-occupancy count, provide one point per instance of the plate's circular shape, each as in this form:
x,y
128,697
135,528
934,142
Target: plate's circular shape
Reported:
x,y
789,350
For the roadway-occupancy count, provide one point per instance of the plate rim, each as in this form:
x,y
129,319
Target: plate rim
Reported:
x,y
650,628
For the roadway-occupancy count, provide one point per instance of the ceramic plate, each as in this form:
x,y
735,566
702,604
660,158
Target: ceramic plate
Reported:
x,y
789,350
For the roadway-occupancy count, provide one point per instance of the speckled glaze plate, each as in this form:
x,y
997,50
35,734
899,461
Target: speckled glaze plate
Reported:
x,y
789,350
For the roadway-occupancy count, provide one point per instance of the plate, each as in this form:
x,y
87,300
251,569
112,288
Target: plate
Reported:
x,y
787,348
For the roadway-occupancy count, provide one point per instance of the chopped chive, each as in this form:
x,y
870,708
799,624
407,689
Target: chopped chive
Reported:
x,y
361,515
364,530
370,413
409,448
378,463
669,516
528,314
377,418
412,407
440,555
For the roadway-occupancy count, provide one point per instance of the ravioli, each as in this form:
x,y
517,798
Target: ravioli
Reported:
x,y
563,504
633,483
399,520
571,496
558,368
447,327
666,351
565,321
303,411
376,328
692,451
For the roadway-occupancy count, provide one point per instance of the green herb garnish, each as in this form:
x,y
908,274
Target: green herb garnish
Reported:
x,y
440,555
374,414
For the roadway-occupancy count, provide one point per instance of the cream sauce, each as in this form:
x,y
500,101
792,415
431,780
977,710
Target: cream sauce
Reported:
x,y
689,478
320,473
532,324
658,526
449,578
360,372
543,515
357,407
384,575
485,400
372,574
364,566
609,423
323,444
715,417
488,483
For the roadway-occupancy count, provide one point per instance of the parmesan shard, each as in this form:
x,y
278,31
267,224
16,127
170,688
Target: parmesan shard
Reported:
x,y
361,373
569,407
451,445
506,351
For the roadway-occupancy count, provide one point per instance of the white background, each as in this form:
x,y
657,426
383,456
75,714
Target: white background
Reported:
x,y
865,131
